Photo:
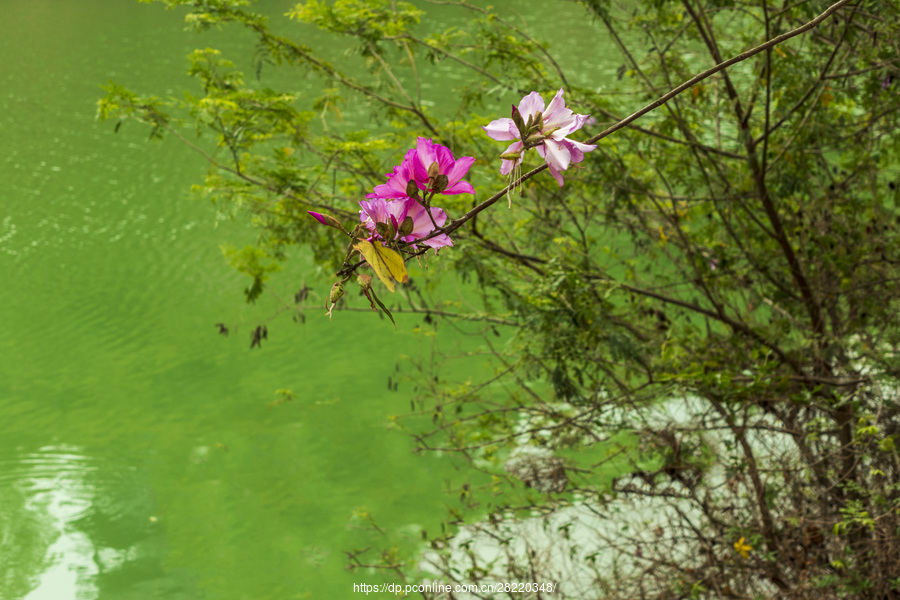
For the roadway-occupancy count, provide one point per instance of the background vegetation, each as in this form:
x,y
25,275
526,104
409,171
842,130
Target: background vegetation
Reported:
x,y
692,344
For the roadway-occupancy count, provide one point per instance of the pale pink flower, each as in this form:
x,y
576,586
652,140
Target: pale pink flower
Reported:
x,y
544,129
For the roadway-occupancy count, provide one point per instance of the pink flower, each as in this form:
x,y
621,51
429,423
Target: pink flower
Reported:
x,y
395,213
429,153
398,179
546,130
380,210
318,217
416,166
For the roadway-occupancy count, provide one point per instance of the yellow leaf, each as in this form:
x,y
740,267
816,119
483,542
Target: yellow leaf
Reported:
x,y
780,52
387,264
827,97
662,236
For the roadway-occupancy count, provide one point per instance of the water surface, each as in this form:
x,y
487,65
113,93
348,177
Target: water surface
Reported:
x,y
141,455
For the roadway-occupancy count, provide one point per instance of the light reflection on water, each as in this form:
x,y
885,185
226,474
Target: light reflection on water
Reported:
x,y
57,482
52,494
76,527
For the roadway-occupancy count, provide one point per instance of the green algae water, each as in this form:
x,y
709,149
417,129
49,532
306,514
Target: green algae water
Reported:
x,y
142,455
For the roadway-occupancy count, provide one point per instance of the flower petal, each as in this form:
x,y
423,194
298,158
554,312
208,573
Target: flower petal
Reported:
x,y
460,187
582,120
445,160
395,187
557,116
459,170
422,225
380,210
425,149
501,130
556,175
508,164
556,154
577,149
531,105
572,125
439,241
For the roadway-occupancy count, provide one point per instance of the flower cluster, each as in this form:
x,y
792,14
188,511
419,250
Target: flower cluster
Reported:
x,y
426,170
545,130
400,209
431,168
404,219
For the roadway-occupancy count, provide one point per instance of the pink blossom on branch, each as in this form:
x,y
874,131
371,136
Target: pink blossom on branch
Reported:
x,y
546,130
395,213
398,179
436,159
422,165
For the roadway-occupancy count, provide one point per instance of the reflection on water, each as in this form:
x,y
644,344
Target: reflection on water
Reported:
x,y
42,556
26,532
66,532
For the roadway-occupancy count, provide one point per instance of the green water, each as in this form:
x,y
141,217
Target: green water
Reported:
x,y
140,454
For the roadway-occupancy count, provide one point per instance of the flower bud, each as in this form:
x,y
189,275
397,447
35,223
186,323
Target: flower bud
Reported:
x,y
364,280
327,220
434,170
534,139
337,292
385,231
517,119
440,183
529,125
511,155
412,190
516,115
406,227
